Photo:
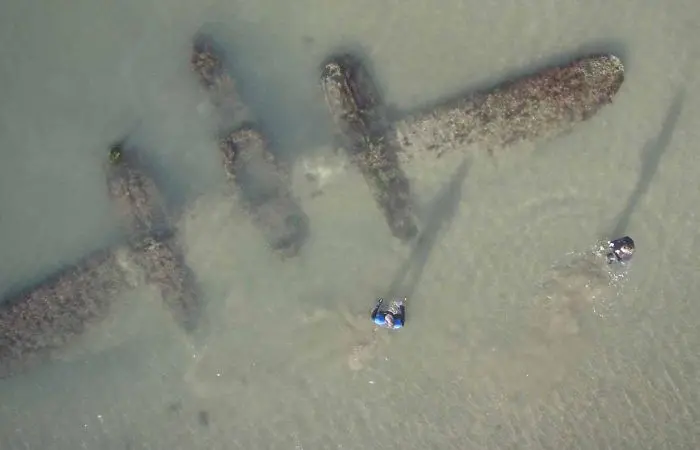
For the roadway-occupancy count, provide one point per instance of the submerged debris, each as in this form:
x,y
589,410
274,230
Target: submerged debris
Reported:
x,y
164,267
139,200
263,183
263,190
208,63
539,106
135,195
38,321
354,104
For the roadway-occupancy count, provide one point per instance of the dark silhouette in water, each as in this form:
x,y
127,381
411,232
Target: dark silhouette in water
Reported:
x,y
135,195
150,231
261,179
536,107
356,107
40,320
264,191
650,157
47,316
439,214
620,250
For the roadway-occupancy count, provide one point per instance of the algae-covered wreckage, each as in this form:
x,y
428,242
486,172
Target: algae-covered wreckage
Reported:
x,y
38,322
355,107
540,106
149,228
537,107
136,198
262,181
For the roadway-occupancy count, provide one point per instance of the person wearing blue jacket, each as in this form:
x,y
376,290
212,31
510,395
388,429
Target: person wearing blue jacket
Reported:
x,y
392,316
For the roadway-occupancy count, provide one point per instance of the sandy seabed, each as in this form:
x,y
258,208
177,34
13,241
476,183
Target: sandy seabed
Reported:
x,y
290,360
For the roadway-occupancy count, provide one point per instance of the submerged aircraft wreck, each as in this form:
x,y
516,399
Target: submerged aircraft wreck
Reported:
x,y
261,181
533,108
149,229
37,321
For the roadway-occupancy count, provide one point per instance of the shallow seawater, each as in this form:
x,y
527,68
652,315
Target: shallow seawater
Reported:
x,y
290,360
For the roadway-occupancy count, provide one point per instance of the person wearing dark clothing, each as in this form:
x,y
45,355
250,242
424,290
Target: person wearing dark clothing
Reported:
x,y
392,316
620,250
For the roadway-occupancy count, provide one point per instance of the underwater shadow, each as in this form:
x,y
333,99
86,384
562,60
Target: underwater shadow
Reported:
x,y
440,213
650,157
292,125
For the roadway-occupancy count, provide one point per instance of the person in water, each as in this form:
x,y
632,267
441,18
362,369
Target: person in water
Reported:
x,y
620,250
392,316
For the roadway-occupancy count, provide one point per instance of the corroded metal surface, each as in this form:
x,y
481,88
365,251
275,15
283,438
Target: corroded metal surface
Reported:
x,y
136,197
262,182
264,190
164,267
354,104
150,232
208,64
535,107
48,316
